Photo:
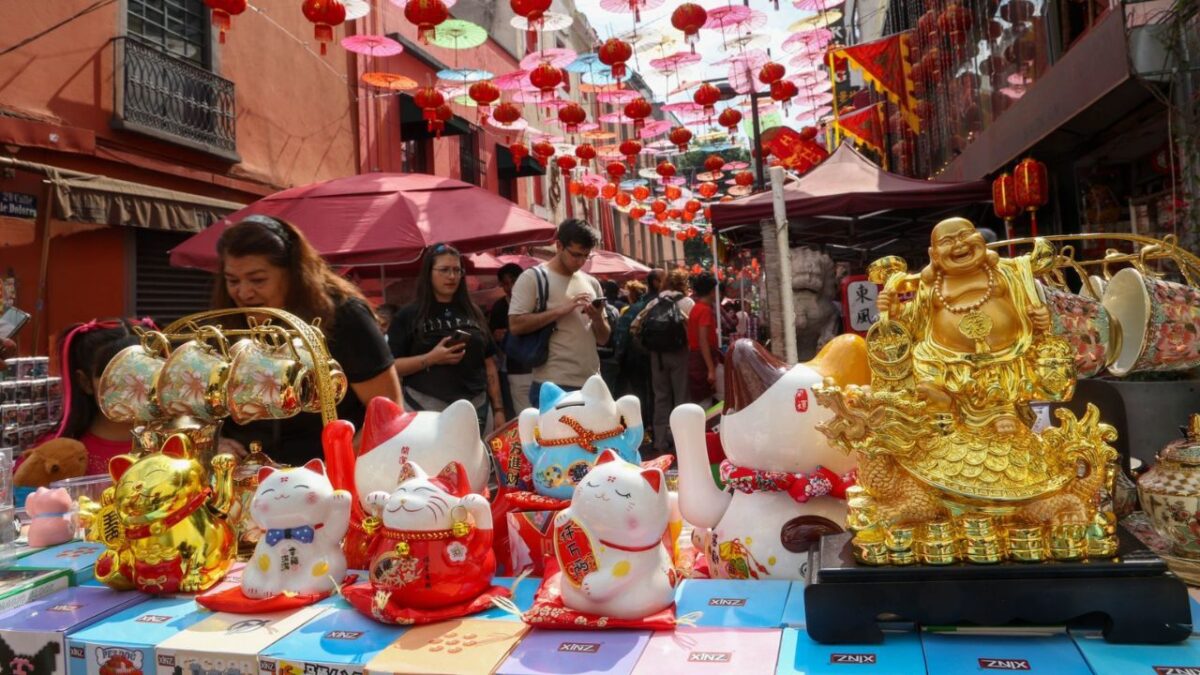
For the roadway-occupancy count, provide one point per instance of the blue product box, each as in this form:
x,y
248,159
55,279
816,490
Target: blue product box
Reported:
x,y
78,557
522,595
732,603
953,654
899,654
1109,659
341,641
128,637
37,632
553,652
794,615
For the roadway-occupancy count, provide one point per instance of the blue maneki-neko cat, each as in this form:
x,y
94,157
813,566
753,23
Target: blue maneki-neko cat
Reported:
x,y
563,438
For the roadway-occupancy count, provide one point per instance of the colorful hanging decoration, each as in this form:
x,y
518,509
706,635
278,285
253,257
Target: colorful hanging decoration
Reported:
x,y
885,64
614,53
1004,201
680,137
506,113
572,115
585,152
441,115
671,192
543,151
484,94
707,96
783,91
665,169
428,99
707,189
744,178
324,15
631,149
388,81
546,78
615,170
641,193
689,18
426,15
533,11
372,45
713,163
221,11
730,118
566,163
638,110
608,191
1031,189
458,34
795,150
519,152
865,126
771,72
637,212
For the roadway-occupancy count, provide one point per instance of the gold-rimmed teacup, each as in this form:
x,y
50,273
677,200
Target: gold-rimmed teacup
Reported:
x,y
267,377
128,388
192,382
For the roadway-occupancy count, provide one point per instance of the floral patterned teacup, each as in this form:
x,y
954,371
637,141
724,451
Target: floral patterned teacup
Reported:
x,y
128,387
266,380
1159,322
1085,324
192,383
312,393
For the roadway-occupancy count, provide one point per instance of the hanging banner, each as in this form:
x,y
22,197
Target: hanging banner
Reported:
x,y
795,150
884,63
865,126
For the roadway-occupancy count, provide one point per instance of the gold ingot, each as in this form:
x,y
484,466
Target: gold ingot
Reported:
x,y
370,524
902,558
870,548
460,528
403,549
855,492
1035,554
977,526
983,552
899,539
937,553
937,531
1104,547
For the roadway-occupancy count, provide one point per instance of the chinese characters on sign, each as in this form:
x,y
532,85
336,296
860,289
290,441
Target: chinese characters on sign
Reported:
x,y
858,303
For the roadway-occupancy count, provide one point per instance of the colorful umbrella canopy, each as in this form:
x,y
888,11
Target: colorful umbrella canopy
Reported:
x,y
559,58
551,21
388,81
372,45
612,264
458,34
463,75
381,218
356,9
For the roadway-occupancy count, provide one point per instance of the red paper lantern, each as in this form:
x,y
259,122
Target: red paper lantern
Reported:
x,y
519,152
546,78
691,206
441,115
1004,202
623,199
585,152
707,190
713,163
608,191
571,116
324,15
484,94
689,18
707,95
566,163
615,170
658,206
661,216
744,178
688,216
784,91
614,53
665,169
771,72
575,187
680,136
506,113
1031,188
591,191
708,214
681,235
638,110
543,151
641,192
631,149
955,18
675,214
426,15
534,11
708,242
221,11
730,119
672,192
637,212
429,99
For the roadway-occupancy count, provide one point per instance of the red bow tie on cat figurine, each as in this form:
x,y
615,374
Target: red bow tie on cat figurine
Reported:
x,y
433,559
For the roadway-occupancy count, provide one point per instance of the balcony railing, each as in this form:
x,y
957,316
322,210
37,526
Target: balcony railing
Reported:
x,y
170,99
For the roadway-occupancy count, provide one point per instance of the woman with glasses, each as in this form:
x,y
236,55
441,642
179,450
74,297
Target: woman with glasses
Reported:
x,y
443,348
267,262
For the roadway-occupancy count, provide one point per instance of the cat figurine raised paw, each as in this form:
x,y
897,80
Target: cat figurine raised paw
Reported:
x,y
609,542
568,430
303,521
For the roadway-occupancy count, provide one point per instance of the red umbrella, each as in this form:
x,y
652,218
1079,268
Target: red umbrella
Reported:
x,y
613,264
383,218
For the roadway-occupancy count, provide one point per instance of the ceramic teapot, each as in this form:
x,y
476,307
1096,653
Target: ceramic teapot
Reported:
x,y
1170,492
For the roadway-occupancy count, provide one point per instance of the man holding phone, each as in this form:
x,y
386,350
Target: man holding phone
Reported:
x,y
574,305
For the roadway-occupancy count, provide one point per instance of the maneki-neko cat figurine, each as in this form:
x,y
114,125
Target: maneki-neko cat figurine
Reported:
x,y
164,525
433,558
949,466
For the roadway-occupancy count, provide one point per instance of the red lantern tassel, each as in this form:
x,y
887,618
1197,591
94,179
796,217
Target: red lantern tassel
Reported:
x,y
220,20
323,32
618,71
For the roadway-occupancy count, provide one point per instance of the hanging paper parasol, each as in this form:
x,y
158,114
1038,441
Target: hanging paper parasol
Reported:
x,y
614,118
596,179
551,21
816,21
740,190
463,74
655,128
733,20
388,81
585,63
807,61
683,108
709,176
512,81
813,114
617,96
752,59
748,41
404,3
672,63
458,34
807,41
598,135
559,58
657,44
604,78
817,5
661,145
356,9
635,7
734,166
511,128
372,45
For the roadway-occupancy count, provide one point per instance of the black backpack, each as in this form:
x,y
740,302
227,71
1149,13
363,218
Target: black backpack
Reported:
x,y
664,329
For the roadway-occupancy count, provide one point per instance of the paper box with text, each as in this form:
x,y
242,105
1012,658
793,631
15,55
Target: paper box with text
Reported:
x,y
126,640
77,557
1105,658
1054,654
229,643
898,654
37,632
459,647
550,652
716,651
731,603
339,642
20,587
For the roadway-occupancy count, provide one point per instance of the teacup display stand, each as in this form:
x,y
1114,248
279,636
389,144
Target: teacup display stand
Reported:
x,y
1132,597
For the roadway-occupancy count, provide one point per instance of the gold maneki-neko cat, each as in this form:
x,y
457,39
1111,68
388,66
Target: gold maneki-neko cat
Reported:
x,y
949,466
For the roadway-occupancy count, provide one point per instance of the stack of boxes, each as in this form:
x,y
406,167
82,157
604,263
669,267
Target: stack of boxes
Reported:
x,y
30,403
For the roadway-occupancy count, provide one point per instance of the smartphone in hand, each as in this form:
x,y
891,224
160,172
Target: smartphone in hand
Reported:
x,y
11,322
458,337
598,303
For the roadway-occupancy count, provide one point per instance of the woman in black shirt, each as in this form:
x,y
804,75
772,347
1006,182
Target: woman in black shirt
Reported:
x,y
444,351
267,262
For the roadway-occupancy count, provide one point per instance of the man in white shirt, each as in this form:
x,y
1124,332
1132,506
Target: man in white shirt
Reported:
x,y
575,306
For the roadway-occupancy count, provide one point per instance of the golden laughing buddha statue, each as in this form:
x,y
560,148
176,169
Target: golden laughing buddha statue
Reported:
x,y
949,466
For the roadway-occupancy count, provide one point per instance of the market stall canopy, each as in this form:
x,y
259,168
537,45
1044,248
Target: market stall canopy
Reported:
x,y
610,264
848,184
383,219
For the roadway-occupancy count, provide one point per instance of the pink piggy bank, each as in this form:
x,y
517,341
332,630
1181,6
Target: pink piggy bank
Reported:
x,y
52,521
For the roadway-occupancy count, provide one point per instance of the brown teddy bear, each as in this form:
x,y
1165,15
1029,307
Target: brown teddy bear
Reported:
x,y
53,460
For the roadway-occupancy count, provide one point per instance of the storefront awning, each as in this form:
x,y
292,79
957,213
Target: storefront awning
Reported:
x,y
507,169
108,201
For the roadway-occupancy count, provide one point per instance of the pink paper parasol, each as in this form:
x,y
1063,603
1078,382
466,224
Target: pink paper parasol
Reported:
x,y
551,21
617,96
817,5
635,7
720,18
709,176
807,61
559,58
517,79
614,118
740,190
683,108
514,128
734,166
404,3
808,40
372,45
596,179
655,128
752,59
672,63
813,114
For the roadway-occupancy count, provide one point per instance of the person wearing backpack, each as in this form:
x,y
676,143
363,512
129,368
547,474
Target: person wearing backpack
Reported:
x,y
661,328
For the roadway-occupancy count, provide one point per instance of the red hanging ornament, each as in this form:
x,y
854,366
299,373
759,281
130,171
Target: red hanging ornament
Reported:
x,y
744,178
658,206
585,152
591,191
543,151
429,99
324,15
572,115
665,169
672,192
771,72
784,91
1004,202
623,199
534,11
691,206
615,170
631,149
707,190
688,216
575,187
638,110
441,115
614,53
566,163
637,212
506,114
713,163
519,152
608,191
1031,188
484,94
708,242
689,18
707,95
546,78
730,119
680,136
641,192
426,15
675,214
221,11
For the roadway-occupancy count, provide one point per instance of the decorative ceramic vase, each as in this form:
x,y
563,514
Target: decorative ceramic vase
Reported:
x,y
1170,492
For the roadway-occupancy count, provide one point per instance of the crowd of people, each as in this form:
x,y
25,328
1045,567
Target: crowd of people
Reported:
x,y
656,338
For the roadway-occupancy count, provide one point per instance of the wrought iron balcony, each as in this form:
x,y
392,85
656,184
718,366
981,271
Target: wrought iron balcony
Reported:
x,y
170,99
